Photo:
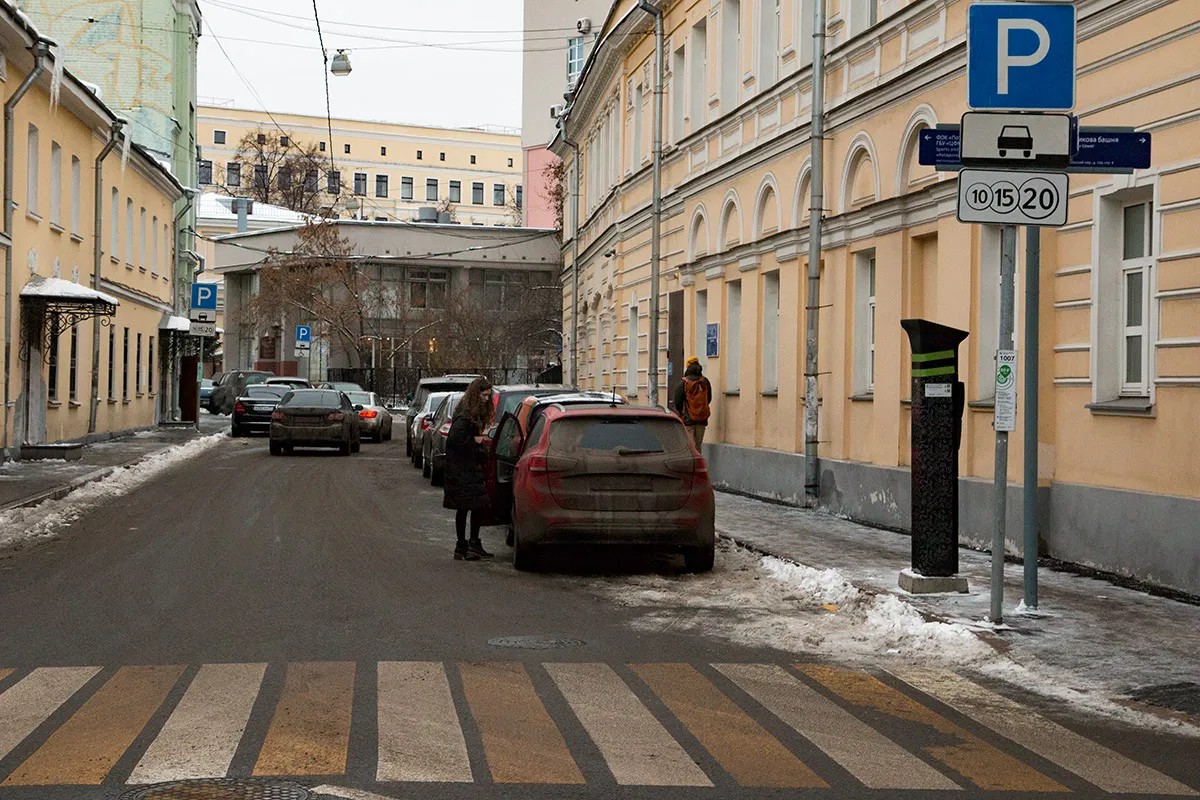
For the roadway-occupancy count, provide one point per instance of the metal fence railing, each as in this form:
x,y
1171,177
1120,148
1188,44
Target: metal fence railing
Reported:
x,y
395,385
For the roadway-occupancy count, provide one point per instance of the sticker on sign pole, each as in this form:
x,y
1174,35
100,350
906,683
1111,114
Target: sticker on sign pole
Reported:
x,y
1006,390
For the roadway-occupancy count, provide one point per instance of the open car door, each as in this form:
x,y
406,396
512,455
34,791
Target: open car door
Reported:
x,y
507,446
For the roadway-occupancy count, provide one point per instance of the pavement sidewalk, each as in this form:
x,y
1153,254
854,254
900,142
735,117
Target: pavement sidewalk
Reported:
x,y
26,483
1123,640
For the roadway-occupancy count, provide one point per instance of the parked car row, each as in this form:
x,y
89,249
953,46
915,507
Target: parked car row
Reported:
x,y
569,468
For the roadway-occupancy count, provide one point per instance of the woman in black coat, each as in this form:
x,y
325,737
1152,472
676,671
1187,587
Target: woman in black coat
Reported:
x,y
466,459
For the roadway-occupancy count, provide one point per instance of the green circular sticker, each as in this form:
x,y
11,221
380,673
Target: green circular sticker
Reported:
x,y
1004,375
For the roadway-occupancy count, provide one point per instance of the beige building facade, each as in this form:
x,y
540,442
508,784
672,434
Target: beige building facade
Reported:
x,y
61,314
1120,283
386,171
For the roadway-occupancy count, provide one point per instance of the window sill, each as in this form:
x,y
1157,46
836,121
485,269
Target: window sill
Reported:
x,y
868,397
75,237
113,402
75,404
31,215
733,393
54,226
770,393
126,402
1123,407
142,270
983,404
53,404
128,266
114,259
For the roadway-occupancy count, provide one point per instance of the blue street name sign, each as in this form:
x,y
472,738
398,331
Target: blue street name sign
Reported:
x,y
1109,151
712,340
1021,56
204,296
303,333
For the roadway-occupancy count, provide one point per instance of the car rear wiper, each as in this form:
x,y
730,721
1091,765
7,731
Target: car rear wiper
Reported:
x,y
630,451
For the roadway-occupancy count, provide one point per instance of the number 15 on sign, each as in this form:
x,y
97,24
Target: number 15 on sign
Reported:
x,y
1012,198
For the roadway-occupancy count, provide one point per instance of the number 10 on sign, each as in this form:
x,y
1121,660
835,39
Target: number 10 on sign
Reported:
x,y
1012,198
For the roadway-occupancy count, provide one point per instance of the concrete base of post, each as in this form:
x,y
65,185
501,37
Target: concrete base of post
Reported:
x,y
914,583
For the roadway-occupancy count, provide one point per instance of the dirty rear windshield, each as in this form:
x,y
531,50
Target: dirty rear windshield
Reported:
x,y
617,434
321,398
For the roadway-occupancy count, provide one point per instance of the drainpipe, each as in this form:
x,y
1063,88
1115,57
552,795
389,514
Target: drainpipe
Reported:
x,y
562,126
656,207
812,473
97,227
41,51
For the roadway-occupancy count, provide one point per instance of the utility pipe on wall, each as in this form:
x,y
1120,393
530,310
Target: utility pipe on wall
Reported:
x,y
114,136
562,126
656,206
41,51
812,472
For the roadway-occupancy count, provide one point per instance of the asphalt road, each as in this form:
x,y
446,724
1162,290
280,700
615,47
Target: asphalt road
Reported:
x,y
301,619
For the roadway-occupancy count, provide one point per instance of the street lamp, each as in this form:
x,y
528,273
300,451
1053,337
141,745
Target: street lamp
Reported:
x,y
340,65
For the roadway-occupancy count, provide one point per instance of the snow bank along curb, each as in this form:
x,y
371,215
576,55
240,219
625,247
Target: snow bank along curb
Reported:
x,y
44,514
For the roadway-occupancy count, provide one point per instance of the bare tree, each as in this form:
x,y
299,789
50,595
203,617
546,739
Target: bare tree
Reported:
x,y
554,177
478,330
272,167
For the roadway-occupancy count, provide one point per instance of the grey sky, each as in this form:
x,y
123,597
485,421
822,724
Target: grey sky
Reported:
x,y
477,83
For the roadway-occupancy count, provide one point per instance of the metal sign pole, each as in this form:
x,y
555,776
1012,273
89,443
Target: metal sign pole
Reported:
x,y
1005,411
1033,253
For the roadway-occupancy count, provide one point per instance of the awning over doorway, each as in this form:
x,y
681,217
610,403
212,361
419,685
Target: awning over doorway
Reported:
x,y
175,324
61,295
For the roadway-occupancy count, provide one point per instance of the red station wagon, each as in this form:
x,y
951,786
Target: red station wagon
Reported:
x,y
618,475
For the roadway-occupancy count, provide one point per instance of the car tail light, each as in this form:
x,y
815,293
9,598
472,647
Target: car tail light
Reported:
x,y
542,463
445,429
335,416
701,468
277,415
238,408
368,413
425,423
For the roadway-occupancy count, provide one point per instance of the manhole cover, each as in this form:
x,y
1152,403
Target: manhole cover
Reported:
x,y
536,642
220,789
1183,697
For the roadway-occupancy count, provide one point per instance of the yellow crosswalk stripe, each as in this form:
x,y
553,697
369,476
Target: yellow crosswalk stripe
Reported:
x,y
872,758
31,701
739,744
89,744
420,738
202,734
310,731
637,748
1093,762
520,740
968,755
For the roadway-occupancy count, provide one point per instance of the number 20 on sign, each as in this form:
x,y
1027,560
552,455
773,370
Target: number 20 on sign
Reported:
x,y
1012,198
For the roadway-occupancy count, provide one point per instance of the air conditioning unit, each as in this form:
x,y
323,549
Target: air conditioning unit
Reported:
x,y
556,111
583,25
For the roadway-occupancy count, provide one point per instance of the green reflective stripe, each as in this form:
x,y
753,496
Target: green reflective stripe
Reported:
x,y
938,356
931,371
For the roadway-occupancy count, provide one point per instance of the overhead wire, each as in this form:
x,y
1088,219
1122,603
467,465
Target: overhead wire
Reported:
x,y
325,72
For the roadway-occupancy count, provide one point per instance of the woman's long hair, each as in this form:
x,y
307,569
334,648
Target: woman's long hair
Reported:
x,y
475,406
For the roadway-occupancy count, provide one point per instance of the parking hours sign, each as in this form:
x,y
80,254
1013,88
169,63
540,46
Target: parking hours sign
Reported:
x,y
1012,198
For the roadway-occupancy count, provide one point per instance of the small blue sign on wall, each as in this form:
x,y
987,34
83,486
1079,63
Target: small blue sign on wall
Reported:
x,y
712,340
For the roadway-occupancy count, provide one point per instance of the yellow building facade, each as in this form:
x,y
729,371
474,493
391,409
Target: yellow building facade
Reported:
x,y
59,316
1120,283
390,170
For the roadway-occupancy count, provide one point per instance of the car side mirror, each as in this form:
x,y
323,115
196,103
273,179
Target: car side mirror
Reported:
x,y
358,408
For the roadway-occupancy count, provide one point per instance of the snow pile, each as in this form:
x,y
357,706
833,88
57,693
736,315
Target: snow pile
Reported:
x,y
45,519
768,602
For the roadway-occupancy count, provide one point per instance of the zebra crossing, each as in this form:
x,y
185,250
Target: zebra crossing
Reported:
x,y
789,726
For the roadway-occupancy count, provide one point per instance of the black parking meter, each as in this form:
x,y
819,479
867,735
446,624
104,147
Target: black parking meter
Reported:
x,y
938,399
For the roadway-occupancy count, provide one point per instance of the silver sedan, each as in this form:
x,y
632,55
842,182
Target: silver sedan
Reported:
x,y
374,419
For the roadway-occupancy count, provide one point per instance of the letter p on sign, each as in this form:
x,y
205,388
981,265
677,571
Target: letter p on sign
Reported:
x,y
1021,56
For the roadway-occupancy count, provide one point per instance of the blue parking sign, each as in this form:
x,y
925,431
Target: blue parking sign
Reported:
x,y
303,333
204,296
1021,56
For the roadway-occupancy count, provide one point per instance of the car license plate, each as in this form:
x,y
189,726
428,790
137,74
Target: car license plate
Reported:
x,y
619,485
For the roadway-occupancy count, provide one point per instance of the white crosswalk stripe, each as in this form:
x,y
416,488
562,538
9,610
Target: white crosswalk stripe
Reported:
x,y
32,700
637,748
201,736
1091,761
865,753
420,738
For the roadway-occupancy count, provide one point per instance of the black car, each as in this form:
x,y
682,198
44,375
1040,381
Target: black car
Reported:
x,y
445,383
232,386
252,411
315,418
